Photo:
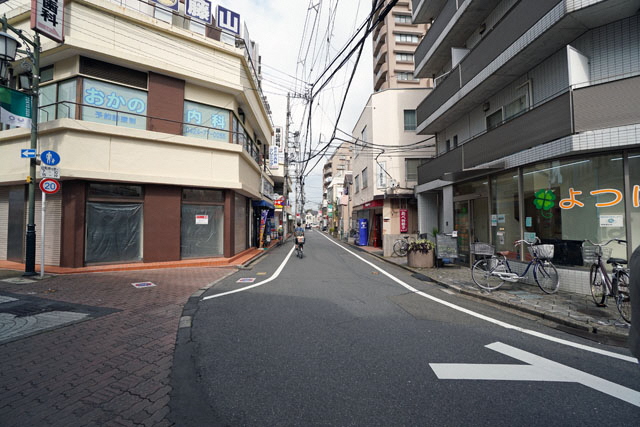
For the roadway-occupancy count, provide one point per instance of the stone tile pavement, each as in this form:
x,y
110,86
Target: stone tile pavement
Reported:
x,y
108,367
572,312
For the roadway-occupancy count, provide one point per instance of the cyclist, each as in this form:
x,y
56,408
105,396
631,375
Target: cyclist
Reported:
x,y
298,234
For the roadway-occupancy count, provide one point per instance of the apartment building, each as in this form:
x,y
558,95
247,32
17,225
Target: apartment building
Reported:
x,y
333,173
537,124
163,135
395,40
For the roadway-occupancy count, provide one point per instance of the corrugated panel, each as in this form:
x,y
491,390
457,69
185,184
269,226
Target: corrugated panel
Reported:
x,y
607,105
4,221
53,226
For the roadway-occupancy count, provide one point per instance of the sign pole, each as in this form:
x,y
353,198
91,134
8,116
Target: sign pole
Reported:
x,y
44,199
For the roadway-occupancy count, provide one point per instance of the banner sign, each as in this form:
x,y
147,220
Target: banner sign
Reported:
x,y
169,4
404,221
228,20
15,108
199,9
273,157
263,223
47,18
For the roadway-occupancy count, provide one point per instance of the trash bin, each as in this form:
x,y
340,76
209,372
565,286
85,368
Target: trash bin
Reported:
x,y
363,232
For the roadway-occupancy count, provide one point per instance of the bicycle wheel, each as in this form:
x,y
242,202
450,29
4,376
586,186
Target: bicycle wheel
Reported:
x,y
546,276
400,248
623,299
597,285
481,273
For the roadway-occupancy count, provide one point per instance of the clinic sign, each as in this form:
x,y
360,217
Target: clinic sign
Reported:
x,y
199,9
404,221
47,18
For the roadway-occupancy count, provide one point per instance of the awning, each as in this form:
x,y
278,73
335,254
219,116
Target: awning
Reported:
x,y
261,204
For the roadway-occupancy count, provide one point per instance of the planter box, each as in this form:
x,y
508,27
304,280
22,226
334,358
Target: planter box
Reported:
x,y
421,260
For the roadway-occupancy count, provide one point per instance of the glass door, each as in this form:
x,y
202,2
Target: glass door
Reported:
x,y
462,226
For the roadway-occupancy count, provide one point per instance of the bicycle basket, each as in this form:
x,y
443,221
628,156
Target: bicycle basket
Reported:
x,y
590,253
478,248
541,251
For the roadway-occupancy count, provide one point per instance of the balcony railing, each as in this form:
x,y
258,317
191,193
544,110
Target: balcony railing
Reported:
x,y
432,35
75,111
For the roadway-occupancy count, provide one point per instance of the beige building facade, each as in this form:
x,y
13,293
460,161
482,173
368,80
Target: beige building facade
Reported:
x,y
163,138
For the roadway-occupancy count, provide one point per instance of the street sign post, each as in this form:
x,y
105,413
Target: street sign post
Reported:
x,y
28,153
49,172
49,186
50,158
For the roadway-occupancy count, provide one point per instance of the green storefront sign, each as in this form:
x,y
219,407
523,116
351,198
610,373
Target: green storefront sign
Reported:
x,y
15,108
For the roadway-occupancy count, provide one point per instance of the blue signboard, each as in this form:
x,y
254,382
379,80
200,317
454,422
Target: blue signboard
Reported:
x,y
50,158
28,153
228,20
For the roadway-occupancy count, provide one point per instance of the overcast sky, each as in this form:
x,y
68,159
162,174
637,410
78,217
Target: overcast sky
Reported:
x,y
278,26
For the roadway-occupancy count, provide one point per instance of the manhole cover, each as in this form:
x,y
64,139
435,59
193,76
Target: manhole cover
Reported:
x,y
18,280
27,308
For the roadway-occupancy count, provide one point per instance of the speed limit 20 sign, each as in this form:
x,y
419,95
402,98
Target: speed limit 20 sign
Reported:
x,y
49,185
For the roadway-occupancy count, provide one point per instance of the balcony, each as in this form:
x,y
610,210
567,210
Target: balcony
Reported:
x,y
434,52
518,43
609,104
426,10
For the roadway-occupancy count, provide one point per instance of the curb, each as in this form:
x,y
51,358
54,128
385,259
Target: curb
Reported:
x,y
588,331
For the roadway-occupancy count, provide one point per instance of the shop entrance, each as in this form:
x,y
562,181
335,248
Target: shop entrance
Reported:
x,y
471,216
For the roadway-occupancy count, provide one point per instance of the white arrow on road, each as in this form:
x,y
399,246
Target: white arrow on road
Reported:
x,y
538,369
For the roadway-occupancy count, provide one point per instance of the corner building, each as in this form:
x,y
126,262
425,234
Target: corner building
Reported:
x,y
537,120
162,133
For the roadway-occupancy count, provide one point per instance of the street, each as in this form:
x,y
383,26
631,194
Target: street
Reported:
x,y
340,338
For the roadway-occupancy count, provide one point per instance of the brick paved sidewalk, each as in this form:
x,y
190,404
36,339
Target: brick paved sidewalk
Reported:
x,y
110,370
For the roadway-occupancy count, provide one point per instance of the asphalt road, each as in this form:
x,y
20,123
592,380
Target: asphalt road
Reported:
x,y
339,339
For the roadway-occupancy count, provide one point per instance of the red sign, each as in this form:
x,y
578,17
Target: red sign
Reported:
x,y
373,204
49,185
404,221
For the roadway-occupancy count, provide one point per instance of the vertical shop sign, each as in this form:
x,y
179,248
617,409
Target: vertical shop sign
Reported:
x,y
47,18
263,223
404,221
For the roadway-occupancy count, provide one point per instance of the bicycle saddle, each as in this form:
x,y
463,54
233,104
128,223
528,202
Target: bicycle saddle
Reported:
x,y
616,261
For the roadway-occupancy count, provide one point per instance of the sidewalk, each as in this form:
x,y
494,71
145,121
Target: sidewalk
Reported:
x,y
573,313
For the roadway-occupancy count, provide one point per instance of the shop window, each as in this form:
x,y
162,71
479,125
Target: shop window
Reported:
x,y
206,122
202,223
634,179
505,220
114,223
113,104
57,101
568,201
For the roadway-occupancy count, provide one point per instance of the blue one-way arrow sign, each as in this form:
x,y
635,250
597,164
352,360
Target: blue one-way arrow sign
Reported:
x,y
28,153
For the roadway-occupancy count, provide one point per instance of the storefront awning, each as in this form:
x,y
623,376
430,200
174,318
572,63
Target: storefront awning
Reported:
x,y
261,204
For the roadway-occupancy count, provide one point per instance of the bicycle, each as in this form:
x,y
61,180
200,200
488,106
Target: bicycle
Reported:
x,y
491,273
401,245
299,246
602,285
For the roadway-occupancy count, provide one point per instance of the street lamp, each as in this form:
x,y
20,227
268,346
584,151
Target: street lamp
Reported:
x,y
9,46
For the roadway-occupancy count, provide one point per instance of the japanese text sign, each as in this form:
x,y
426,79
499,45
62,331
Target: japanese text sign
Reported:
x,y
199,9
404,221
47,18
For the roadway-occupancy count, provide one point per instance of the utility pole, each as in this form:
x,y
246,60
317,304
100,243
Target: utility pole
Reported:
x,y
285,215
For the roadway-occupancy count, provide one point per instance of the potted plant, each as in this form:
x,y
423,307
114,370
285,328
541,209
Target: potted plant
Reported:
x,y
421,254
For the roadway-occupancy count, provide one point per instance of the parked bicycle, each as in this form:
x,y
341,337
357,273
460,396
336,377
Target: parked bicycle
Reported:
x,y
401,245
602,285
492,270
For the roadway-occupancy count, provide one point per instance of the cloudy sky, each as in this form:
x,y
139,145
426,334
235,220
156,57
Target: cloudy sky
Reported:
x,y
283,28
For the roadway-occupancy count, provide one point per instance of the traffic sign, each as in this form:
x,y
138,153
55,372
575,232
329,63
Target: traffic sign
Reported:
x,y
49,172
50,158
49,186
28,153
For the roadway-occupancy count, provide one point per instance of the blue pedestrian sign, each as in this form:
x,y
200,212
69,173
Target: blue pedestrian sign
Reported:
x,y
50,158
28,153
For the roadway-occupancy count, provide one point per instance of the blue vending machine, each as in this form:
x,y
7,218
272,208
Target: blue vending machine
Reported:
x,y
363,232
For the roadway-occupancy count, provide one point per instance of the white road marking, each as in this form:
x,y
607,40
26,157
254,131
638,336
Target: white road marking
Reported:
x,y
255,285
487,318
537,369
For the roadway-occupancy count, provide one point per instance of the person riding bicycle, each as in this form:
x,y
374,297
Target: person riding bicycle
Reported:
x,y
298,235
